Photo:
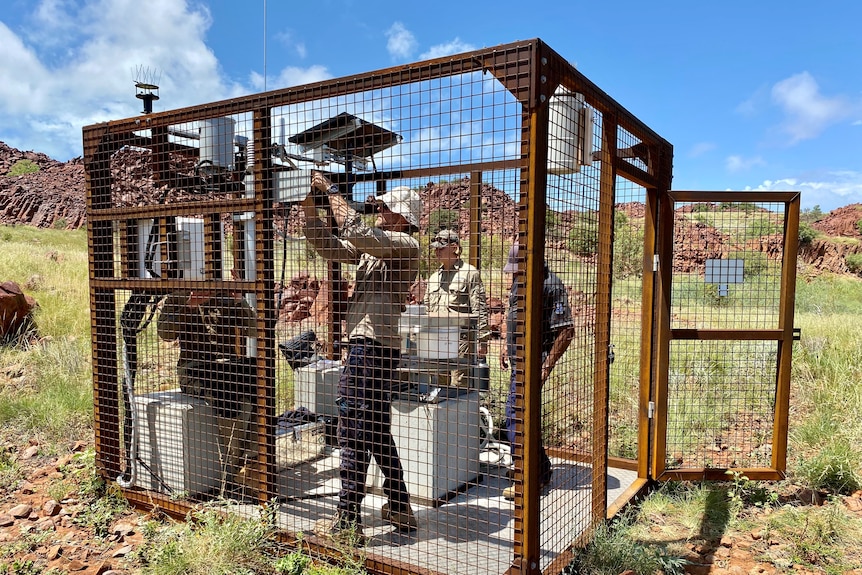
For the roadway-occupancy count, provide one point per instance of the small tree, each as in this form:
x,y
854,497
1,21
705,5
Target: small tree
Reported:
x,y
811,215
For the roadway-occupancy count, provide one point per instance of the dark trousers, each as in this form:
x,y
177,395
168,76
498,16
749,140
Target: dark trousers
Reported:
x,y
510,425
228,385
230,388
365,428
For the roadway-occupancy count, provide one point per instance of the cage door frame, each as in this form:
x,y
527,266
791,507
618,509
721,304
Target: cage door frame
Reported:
x,y
783,334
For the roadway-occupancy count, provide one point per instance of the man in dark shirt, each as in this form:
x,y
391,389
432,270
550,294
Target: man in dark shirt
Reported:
x,y
557,334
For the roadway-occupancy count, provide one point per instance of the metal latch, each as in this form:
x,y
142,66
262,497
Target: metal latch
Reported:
x,y
655,262
651,410
797,333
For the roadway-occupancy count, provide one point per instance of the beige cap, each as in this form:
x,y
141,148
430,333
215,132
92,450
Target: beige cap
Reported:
x,y
405,202
444,238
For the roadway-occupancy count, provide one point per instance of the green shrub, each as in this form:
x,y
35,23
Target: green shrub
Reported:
x,y
755,263
584,236
854,262
746,207
759,228
628,248
494,254
23,167
806,233
859,226
613,550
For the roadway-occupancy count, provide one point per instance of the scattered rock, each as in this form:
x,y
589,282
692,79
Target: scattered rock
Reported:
x,y
21,511
16,319
6,520
46,524
853,504
757,534
122,551
123,528
53,552
51,508
31,451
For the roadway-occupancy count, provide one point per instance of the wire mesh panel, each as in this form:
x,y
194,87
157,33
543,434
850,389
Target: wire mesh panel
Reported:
x,y
725,402
721,404
336,300
630,222
727,256
574,235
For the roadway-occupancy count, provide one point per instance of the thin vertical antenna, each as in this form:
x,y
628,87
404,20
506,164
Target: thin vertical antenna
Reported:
x,y
264,45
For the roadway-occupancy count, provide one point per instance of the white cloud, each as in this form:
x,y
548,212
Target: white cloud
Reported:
x,y
737,163
701,148
22,77
286,38
754,103
290,76
455,46
828,189
807,111
73,63
400,41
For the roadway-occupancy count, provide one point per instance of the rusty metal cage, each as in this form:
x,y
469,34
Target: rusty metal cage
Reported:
x,y
254,262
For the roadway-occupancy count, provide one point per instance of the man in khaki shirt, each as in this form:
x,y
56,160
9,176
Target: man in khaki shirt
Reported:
x,y
457,287
387,260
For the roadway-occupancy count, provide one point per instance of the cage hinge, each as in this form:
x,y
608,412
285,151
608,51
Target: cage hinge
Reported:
x,y
655,262
650,410
797,333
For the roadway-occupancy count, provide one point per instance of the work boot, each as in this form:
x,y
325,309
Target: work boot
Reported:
x,y
404,521
509,492
341,530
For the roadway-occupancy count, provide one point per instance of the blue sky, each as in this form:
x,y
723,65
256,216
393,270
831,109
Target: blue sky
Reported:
x,y
753,95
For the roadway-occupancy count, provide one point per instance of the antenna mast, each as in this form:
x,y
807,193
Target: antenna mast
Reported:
x,y
146,87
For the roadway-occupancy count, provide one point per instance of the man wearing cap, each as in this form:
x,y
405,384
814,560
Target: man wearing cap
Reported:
x,y
557,333
387,260
456,286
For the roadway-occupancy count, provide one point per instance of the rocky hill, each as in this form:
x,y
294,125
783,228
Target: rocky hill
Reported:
x,y
51,197
54,197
